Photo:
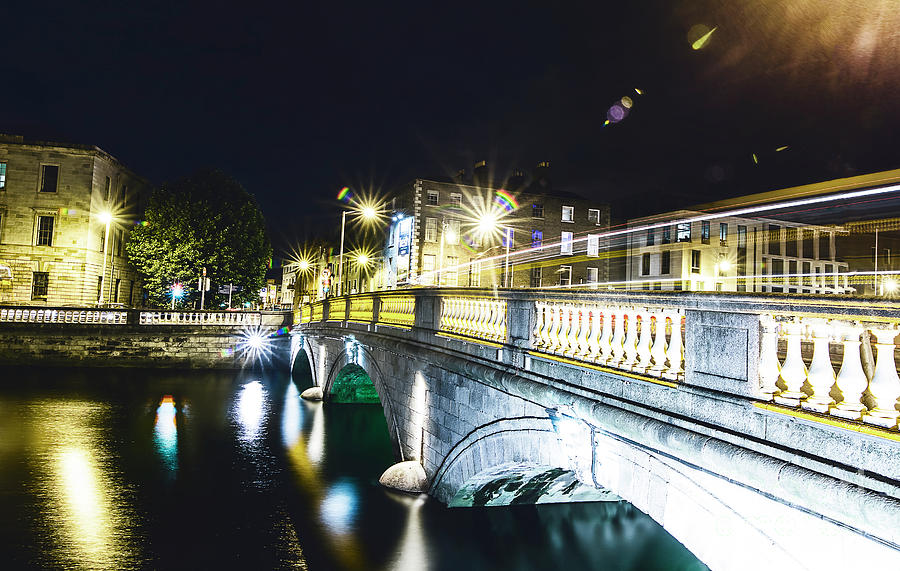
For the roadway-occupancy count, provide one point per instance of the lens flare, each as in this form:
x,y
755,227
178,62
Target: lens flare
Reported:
x,y
506,200
254,345
345,195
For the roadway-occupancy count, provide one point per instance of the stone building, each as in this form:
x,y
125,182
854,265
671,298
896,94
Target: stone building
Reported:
x,y
522,234
730,253
52,229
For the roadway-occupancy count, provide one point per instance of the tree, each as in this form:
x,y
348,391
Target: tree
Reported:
x,y
203,220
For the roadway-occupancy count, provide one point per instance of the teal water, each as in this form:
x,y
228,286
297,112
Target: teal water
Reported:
x,y
99,470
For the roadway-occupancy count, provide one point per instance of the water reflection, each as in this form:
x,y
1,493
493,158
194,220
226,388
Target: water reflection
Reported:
x,y
165,432
291,419
251,408
338,507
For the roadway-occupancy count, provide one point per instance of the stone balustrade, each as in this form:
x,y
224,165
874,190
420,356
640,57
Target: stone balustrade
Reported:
x,y
852,393
362,309
398,310
642,339
478,317
75,316
221,318
337,308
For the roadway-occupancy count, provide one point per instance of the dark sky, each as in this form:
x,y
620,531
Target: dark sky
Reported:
x,y
299,100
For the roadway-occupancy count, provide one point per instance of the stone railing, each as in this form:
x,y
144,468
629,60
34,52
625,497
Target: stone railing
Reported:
x,y
856,393
478,317
222,318
337,308
362,309
398,310
642,339
79,316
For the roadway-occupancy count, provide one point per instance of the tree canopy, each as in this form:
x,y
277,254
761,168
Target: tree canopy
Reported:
x,y
203,220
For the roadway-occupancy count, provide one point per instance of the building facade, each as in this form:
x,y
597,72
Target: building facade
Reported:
x,y
467,235
53,198
730,253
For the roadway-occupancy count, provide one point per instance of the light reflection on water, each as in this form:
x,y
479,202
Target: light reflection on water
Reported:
x,y
108,474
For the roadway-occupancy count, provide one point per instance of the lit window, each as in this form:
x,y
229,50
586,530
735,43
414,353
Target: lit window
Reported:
x,y
683,232
432,198
431,229
537,238
536,276
695,261
704,231
568,214
565,275
475,273
594,215
45,231
451,232
508,237
723,233
428,269
593,245
40,283
49,177
565,246
537,210
593,276
2,176
455,199
451,277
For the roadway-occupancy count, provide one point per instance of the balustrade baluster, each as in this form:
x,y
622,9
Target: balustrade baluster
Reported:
x,y
631,338
536,340
821,373
769,366
618,340
593,340
644,341
885,384
658,351
675,348
546,327
584,332
793,371
606,352
574,327
851,379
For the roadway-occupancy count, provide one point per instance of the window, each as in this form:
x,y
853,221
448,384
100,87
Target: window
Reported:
x,y
808,239
824,246
741,236
651,234
432,198
665,262
594,216
120,242
704,231
565,246
99,286
790,242
455,199
475,273
565,275
451,232
683,232
537,238
774,240
537,210
116,291
49,177
45,231
451,275
792,272
593,276
124,194
723,233
645,264
106,196
535,277
508,238
695,261
667,235
593,245
807,271
40,283
2,176
777,268
428,269
568,214
431,229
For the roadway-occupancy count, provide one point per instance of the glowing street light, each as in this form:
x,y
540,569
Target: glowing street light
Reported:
x,y
366,212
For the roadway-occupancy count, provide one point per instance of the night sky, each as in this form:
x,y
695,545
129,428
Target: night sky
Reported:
x,y
297,101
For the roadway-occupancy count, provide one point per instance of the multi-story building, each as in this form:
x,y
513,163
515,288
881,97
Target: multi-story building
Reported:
x,y
53,202
730,253
486,235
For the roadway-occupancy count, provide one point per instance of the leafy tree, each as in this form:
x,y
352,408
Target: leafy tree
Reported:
x,y
203,220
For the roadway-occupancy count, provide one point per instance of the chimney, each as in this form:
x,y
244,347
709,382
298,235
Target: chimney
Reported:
x,y
480,174
542,177
460,177
516,180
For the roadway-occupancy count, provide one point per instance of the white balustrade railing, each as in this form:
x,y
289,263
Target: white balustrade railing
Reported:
x,y
647,340
70,316
851,394
397,310
222,318
478,317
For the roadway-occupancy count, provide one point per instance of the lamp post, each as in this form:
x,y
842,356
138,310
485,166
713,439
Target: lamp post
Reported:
x,y
366,212
507,232
106,218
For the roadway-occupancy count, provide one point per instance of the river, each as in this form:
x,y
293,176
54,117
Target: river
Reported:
x,y
158,469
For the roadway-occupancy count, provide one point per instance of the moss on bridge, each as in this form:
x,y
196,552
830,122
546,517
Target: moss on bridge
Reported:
x,y
353,385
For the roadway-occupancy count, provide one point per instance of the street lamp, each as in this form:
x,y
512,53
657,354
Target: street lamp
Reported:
x,y
365,212
106,218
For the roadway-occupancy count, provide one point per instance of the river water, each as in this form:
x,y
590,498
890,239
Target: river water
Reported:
x,y
99,469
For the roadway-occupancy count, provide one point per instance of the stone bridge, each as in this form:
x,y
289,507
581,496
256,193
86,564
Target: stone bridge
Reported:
x,y
716,414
